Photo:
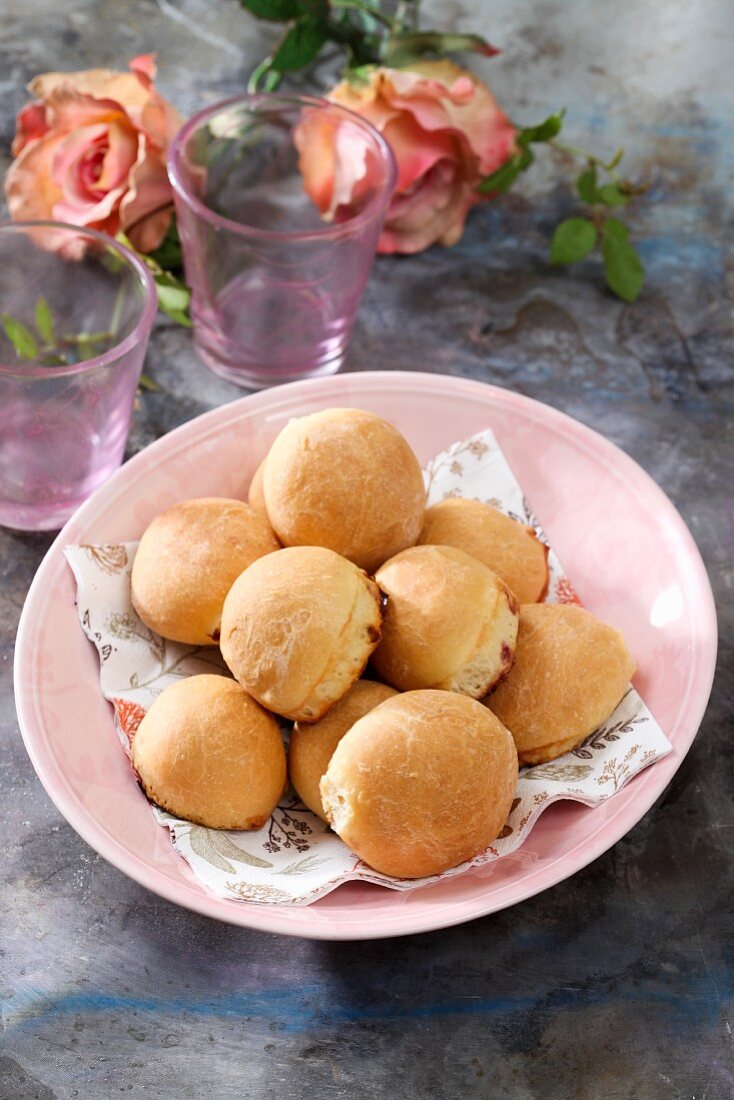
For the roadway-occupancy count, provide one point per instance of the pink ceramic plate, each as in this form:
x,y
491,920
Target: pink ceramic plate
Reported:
x,y
622,542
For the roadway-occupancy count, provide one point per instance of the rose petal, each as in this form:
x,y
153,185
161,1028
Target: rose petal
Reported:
x,y
90,167
147,208
96,84
445,79
144,66
160,121
415,150
351,175
434,213
29,126
90,81
29,185
446,131
67,110
357,97
70,151
430,197
314,138
98,139
102,215
448,97
121,155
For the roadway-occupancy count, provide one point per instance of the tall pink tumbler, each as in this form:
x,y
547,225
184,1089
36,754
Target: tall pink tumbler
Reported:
x,y
280,201
76,310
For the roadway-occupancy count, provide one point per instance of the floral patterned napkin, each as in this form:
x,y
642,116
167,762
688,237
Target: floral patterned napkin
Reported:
x,y
295,858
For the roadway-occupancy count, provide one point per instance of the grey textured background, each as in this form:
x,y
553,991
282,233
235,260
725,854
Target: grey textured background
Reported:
x,y
616,983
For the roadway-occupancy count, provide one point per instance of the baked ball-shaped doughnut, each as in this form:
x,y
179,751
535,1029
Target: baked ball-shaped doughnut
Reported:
x,y
421,784
450,622
347,480
511,549
255,495
312,746
206,751
298,627
570,672
187,560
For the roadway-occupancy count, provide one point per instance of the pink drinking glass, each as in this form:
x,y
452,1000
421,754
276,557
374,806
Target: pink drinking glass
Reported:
x,y
276,281
76,310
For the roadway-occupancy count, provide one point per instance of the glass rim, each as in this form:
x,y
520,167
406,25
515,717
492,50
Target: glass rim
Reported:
x,y
220,221
145,320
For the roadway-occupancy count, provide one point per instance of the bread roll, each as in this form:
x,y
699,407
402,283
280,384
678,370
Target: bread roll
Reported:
x,y
312,746
255,495
421,784
450,622
187,560
205,751
298,627
570,672
512,550
347,480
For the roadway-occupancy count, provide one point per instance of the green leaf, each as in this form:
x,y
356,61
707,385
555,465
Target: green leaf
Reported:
x,y
359,76
502,179
145,382
85,349
586,185
20,337
179,317
168,253
408,45
282,11
527,156
622,267
362,48
172,297
573,239
611,195
615,160
613,227
45,321
300,45
544,131
264,78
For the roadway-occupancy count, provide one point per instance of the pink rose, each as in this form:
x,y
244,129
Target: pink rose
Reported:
x,y
446,132
92,152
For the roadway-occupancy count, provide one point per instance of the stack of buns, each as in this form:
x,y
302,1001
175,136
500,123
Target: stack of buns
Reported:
x,y
334,563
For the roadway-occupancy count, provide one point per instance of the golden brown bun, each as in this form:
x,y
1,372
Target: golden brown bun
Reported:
x,y
345,479
205,751
421,783
450,622
512,550
186,563
570,672
312,746
255,495
298,627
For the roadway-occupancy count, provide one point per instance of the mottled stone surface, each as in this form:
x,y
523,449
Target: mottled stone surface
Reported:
x,y
617,983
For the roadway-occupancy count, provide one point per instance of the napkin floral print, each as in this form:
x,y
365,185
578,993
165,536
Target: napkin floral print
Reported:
x,y
295,858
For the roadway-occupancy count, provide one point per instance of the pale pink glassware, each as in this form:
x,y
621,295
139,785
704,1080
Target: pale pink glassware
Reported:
x,y
63,427
275,286
602,514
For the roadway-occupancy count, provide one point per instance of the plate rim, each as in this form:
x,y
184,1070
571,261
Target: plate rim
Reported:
x,y
280,920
